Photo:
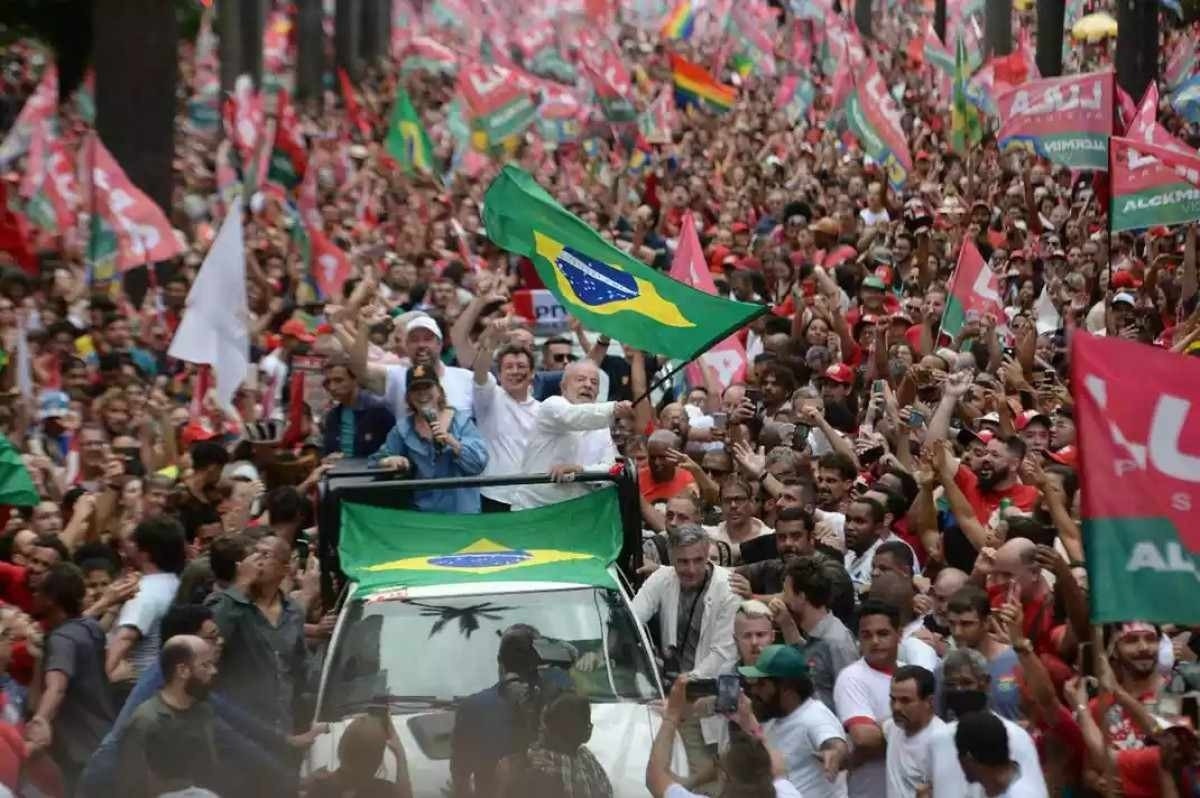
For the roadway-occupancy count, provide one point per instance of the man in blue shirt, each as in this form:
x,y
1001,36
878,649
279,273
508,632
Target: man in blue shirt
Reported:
x,y
359,423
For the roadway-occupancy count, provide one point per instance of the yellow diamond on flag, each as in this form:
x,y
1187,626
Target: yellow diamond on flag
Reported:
x,y
482,557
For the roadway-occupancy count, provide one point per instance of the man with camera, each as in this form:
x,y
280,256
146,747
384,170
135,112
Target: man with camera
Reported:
x,y
695,608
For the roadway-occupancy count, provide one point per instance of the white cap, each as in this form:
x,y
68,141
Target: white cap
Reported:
x,y
423,323
1125,297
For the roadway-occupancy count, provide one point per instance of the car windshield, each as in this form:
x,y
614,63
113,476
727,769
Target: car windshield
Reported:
x,y
432,652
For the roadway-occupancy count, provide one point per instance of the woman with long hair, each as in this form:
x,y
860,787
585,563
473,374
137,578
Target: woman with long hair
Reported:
x,y
434,441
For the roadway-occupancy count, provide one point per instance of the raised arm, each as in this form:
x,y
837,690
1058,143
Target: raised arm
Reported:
x,y
369,375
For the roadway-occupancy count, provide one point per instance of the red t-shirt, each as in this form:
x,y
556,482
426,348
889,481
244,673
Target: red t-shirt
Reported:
x,y
14,586
1023,497
1066,731
657,491
1139,772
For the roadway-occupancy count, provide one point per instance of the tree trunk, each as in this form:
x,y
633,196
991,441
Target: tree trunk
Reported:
x,y
346,37
134,48
229,29
1137,46
939,21
1050,18
862,17
997,19
310,50
254,22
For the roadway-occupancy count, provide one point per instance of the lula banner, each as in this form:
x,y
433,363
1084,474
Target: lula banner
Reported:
x,y
1139,444
1067,120
1150,190
874,119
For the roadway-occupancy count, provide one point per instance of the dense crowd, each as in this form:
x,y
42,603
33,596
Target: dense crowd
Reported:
x,y
876,525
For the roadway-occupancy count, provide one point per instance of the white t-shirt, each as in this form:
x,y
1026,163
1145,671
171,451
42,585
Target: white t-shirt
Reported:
x,y
909,762
783,789
459,385
950,782
506,426
144,612
870,218
862,694
799,737
918,652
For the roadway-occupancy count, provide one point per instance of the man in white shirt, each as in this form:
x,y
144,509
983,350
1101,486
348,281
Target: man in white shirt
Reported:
x,y
570,435
862,696
865,532
423,343
909,732
982,755
795,722
505,413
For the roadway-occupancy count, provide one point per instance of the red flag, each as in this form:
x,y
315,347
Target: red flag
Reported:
x,y
728,357
143,233
1139,455
289,139
353,112
244,115
973,289
306,200
331,266
14,236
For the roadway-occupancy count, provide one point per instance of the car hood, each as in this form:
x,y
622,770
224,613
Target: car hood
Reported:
x,y
621,737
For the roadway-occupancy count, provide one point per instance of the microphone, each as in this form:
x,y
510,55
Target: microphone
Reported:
x,y
430,415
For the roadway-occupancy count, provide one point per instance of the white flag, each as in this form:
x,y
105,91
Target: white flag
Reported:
x,y
215,326
1048,319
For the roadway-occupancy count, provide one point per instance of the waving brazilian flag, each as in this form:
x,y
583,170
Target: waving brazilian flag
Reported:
x,y
407,141
572,541
607,290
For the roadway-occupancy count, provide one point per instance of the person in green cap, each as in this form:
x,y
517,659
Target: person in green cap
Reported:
x,y
795,722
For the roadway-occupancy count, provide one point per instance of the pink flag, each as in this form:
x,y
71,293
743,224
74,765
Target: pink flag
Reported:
x,y
728,357
40,106
144,235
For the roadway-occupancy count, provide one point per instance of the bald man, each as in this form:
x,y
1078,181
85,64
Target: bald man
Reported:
x,y
169,742
949,581
1016,574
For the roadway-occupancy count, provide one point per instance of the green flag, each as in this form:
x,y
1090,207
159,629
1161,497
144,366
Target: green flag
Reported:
x,y
16,486
965,128
572,541
604,288
407,141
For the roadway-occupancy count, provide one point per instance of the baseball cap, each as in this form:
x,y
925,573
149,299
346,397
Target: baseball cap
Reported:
x,y
1125,297
1125,279
53,404
777,662
990,418
423,323
1030,416
966,436
419,374
294,328
873,281
840,372
1067,456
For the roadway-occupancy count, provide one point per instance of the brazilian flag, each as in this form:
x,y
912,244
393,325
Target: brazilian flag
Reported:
x,y
572,541
407,141
966,128
607,290
16,486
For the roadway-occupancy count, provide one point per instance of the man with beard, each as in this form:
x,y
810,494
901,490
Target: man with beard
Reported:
x,y
1134,659
835,475
803,616
570,434
909,731
778,383
793,540
795,723
837,385
180,713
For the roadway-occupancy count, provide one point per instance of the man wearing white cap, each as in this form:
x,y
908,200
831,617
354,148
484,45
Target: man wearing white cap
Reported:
x,y
423,343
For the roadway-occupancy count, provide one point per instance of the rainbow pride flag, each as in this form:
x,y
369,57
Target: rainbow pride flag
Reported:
x,y
695,85
680,22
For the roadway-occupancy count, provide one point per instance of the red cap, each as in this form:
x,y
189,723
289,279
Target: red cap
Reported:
x,y
1028,417
740,227
1065,456
295,328
841,373
194,432
1126,279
